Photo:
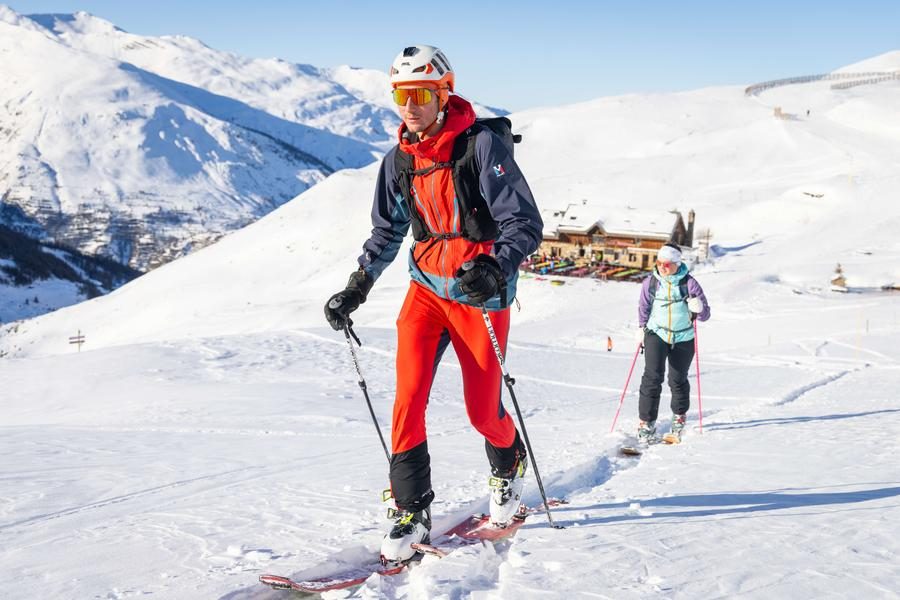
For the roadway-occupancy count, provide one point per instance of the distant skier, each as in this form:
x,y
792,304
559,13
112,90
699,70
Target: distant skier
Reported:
x,y
490,229
609,344
670,301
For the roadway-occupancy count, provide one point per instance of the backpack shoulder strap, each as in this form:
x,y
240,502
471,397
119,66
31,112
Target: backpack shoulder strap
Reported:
x,y
403,166
683,286
475,217
464,160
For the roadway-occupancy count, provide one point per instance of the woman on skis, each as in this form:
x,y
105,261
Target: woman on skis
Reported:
x,y
670,301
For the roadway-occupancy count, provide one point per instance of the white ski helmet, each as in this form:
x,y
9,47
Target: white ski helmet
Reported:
x,y
422,65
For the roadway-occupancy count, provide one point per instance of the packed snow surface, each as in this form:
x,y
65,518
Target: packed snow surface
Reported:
x,y
211,429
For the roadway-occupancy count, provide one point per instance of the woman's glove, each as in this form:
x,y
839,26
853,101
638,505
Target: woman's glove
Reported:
x,y
695,305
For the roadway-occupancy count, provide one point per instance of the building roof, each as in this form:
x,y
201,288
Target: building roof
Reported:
x,y
626,222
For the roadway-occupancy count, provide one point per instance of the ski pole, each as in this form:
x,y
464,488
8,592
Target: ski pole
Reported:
x,y
627,381
697,356
348,331
509,386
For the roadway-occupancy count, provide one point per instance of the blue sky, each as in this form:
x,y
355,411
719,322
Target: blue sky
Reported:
x,y
525,54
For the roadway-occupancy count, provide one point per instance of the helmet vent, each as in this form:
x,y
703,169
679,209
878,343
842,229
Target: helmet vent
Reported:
x,y
440,58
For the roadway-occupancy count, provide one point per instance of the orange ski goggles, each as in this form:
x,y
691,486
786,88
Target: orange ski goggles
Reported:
x,y
419,96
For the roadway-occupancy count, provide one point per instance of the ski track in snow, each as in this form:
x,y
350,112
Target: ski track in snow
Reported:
x,y
800,392
76,510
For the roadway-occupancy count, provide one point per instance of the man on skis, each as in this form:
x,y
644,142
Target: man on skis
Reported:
x,y
469,244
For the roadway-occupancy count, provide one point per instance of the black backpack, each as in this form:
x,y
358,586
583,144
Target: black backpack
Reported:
x,y
477,223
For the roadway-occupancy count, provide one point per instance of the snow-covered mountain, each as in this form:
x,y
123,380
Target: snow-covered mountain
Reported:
x,y
212,428
116,160
142,149
299,93
347,101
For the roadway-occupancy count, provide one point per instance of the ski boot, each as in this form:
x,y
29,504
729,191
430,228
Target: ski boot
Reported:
x,y
646,432
674,435
409,528
506,493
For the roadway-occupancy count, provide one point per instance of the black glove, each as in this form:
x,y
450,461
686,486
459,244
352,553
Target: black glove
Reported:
x,y
340,305
482,279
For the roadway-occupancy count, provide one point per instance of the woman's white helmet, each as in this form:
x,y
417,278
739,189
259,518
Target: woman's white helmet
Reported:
x,y
422,65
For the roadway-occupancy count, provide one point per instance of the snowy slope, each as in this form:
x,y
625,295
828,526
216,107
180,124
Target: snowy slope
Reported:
x,y
809,191
186,469
212,428
889,61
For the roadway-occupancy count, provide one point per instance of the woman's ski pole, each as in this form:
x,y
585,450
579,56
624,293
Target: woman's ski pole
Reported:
x,y
697,356
509,386
627,381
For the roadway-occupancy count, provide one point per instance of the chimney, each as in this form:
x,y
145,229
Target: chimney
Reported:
x,y
689,242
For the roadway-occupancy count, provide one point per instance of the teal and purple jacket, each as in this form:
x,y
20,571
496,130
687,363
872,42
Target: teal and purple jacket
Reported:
x,y
665,312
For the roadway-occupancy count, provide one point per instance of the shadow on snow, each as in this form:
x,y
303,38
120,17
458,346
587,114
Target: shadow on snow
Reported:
x,y
738,503
791,420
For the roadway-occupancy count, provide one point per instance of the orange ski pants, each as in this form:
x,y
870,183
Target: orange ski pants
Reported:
x,y
423,320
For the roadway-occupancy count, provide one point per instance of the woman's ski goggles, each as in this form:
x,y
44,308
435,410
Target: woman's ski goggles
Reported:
x,y
419,96
666,264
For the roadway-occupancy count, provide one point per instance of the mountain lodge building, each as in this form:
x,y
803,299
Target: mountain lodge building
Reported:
x,y
628,238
